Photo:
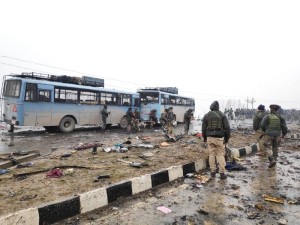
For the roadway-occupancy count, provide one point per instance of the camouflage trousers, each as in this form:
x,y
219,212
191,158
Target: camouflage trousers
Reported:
x,y
170,127
216,150
271,145
260,141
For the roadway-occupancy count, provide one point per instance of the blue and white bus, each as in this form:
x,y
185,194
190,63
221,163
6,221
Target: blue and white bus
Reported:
x,y
161,98
61,102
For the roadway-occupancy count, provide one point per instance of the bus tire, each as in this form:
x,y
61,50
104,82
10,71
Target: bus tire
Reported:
x,y
67,124
124,122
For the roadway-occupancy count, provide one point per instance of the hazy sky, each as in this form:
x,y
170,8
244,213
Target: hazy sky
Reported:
x,y
211,50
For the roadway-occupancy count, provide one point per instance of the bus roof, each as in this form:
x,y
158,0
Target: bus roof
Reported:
x,y
61,84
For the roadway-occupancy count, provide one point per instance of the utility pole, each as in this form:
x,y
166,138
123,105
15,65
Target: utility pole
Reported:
x,y
250,101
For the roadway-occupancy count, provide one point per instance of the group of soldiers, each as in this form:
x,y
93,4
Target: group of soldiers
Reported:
x,y
270,128
166,120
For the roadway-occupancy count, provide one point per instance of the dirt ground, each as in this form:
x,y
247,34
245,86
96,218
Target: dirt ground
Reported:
x,y
20,192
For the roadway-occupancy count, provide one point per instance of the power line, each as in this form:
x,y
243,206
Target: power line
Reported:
x,y
74,71
60,68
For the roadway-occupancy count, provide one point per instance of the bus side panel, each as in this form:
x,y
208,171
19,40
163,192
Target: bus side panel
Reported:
x,y
116,114
44,112
89,114
30,109
95,115
59,111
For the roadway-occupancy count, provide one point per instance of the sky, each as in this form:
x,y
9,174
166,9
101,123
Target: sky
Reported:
x,y
228,51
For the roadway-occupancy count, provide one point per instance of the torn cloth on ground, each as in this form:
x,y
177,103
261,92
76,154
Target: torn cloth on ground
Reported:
x,y
230,166
55,173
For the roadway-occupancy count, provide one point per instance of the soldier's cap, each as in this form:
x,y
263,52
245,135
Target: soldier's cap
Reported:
x,y
191,110
261,107
274,107
171,107
105,106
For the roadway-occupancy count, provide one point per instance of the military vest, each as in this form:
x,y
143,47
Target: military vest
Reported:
x,y
215,121
274,122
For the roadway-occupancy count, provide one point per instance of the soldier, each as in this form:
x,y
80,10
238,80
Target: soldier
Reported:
x,y
130,117
170,120
104,114
152,117
257,118
274,128
216,132
188,115
164,119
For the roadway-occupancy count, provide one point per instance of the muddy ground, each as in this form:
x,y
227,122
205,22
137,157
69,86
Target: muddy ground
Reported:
x,y
20,192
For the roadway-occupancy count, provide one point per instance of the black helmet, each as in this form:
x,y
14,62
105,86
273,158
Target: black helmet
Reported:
x,y
105,106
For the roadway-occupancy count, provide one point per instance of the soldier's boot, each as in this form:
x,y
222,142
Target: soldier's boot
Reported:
x,y
272,162
213,174
223,176
275,154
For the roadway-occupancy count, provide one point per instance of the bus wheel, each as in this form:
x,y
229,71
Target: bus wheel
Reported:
x,y
51,129
67,124
124,122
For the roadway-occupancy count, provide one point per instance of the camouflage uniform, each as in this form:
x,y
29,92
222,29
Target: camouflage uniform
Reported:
x,y
188,115
216,132
104,114
274,127
170,120
257,118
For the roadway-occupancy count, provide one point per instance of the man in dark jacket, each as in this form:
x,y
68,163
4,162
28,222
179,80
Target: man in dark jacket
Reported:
x,y
216,132
274,128
257,118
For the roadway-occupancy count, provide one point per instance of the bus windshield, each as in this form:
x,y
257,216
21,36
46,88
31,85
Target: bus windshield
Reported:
x,y
12,88
149,97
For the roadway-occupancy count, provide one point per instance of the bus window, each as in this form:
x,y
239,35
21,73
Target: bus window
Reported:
x,y
108,98
12,88
164,99
88,97
151,97
136,102
44,96
30,93
190,102
125,99
172,100
178,101
66,95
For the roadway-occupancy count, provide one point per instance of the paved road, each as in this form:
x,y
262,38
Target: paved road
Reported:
x,y
237,200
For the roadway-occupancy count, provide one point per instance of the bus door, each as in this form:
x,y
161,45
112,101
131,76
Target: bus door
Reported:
x,y
44,105
30,104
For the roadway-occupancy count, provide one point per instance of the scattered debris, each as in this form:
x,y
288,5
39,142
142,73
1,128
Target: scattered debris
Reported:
x,y
54,173
27,197
202,211
164,209
22,165
101,177
230,166
282,221
273,199
4,171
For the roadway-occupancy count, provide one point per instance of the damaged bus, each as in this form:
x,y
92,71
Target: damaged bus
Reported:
x,y
61,102
157,99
